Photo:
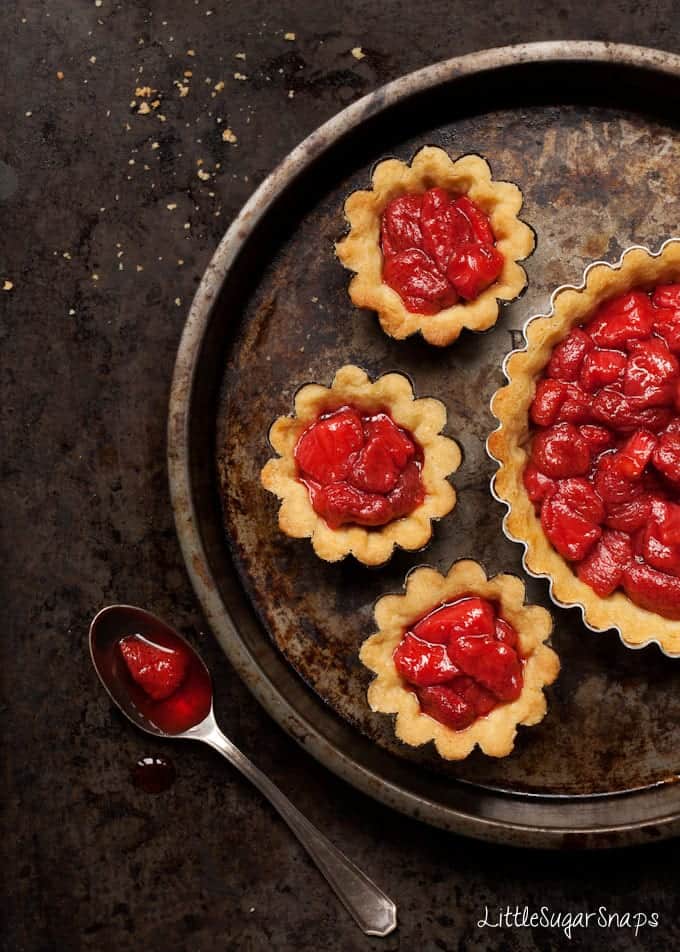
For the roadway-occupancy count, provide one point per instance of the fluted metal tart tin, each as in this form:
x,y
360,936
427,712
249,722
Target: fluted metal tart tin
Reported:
x,y
589,132
499,498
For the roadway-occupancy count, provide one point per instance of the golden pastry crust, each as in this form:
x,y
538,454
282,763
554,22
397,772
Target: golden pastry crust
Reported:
x,y
509,444
424,418
426,589
360,250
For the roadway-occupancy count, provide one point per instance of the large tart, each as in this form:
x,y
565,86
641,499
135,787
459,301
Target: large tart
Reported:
x,y
434,245
589,446
362,466
461,660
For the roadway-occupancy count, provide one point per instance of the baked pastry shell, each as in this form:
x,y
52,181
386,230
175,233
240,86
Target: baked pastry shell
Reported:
x,y
359,250
424,417
571,305
424,590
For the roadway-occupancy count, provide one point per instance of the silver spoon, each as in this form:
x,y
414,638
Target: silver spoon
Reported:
x,y
371,909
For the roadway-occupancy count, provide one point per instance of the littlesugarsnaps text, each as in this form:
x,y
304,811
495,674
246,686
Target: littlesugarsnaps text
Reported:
x,y
543,917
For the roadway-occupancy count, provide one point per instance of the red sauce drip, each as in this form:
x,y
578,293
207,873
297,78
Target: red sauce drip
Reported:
x,y
604,471
462,660
188,703
437,248
360,468
153,774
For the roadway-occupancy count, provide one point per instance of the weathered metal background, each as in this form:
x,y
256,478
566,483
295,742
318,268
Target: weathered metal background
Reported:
x,y
595,180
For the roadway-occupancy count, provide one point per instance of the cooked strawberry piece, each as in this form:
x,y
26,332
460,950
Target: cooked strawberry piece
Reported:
x,y
666,295
669,328
467,616
601,368
567,357
549,397
603,568
373,469
392,437
446,706
400,229
443,227
479,222
506,633
157,670
576,407
633,457
625,318
571,517
491,663
666,456
580,496
473,267
423,664
628,413
598,438
480,700
656,591
324,449
537,484
650,371
409,492
340,503
560,451
661,540
612,486
413,274
629,516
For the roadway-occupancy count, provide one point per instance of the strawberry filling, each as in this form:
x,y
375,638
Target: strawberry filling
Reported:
x,y
360,468
604,471
437,248
158,670
461,661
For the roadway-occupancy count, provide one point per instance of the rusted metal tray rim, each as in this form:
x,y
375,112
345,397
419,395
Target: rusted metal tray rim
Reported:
x,y
549,823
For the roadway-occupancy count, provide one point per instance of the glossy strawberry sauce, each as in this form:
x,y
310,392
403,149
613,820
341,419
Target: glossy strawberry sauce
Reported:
x,y
167,682
461,660
437,248
360,468
604,471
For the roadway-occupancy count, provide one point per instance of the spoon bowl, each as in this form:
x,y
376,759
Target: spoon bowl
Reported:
x,y
182,713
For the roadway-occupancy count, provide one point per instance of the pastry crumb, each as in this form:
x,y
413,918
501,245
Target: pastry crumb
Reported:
x,y
60,74
204,176
240,56
358,53
172,206
178,301
191,52
289,36
7,285
240,76
218,87
228,136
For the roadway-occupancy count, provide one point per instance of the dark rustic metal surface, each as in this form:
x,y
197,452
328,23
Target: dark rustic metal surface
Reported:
x,y
290,321
91,862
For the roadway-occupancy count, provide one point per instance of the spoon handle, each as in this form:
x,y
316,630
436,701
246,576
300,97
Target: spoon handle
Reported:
x,y
372,910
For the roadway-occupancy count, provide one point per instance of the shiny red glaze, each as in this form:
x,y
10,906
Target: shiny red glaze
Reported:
x,y
436,248
473,267
462,660
601,368
423,664
567,358
624,362
360,468
604,566
190,701
560,452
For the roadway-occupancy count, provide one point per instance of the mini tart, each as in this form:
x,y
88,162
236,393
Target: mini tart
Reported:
x,y
426,589
360,250
424,418
571,306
